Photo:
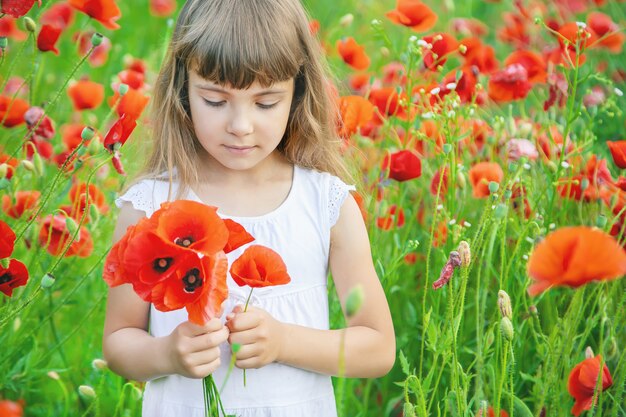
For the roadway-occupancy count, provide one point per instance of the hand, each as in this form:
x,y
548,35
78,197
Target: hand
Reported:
x,y
194,350
260,335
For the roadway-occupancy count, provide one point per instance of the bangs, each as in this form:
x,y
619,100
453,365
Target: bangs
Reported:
x,y
241,43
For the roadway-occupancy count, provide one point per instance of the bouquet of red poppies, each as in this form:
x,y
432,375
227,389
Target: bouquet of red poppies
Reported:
x,y
177,258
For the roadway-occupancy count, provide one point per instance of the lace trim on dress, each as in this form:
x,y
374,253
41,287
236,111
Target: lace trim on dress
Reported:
x,y
139,196
337,193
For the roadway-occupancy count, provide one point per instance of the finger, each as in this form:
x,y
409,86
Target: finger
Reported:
x,y
251,363
243,321
248,351
243,337
203,357
209,340
204,370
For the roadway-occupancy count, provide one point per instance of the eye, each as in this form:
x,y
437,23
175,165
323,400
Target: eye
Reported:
x,y
266,106
214,103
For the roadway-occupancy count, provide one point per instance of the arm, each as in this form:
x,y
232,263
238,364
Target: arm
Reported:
x,y
133,353
369,348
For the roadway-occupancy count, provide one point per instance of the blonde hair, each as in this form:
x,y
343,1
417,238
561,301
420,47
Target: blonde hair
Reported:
x,y
235,43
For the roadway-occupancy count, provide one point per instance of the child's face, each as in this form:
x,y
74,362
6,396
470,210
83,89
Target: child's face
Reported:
x,y
239,128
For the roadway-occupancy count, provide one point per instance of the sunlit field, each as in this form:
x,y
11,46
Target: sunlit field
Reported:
x,y
486,141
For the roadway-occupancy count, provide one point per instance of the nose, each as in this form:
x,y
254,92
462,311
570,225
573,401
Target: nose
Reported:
x,y
240,123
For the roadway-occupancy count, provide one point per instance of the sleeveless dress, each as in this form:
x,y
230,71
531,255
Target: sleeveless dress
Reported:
x,y
299,230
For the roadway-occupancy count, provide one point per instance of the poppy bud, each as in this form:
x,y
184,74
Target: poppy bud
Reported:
x,y
28,165
384,51
93,212
30,25
47,281
87,392
464,252
3,42
533,310
4,183
96,39
506,327
504,303
122,89
408,410
500,211
460,179
4,168
136,393
507,194
493,187
72,226
38,164
53,375
346,20
447,148
87,133
99,364
601,221
354,300
589,353
17,323
584,184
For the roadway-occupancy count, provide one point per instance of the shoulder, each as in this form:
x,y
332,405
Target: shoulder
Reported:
x,y
145,195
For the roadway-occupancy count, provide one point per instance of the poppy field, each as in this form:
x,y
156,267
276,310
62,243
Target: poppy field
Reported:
x,y
487,144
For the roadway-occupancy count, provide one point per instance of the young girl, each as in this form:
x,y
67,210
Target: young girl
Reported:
x,y
244,121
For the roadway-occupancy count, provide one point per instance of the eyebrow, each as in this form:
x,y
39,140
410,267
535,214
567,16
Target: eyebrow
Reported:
x,y
216,89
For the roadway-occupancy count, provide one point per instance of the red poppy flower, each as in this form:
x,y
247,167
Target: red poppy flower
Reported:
x,y
393,218
618,151
583,380
413,14
481,174
11,408
12,111
133,79
104,11
434,183
7,240
574,256
119,132
16,275
237,236
608,31
259,266
54,236
162,8
465,26
132,103
534,64
17,8
82,196
509,84
353,54
48,37
402,165
24,202
355,112
492,413
59,14
86,94
479,55
440,236
387,100
9,29
39,124
71,135
514,30
442,45
575,35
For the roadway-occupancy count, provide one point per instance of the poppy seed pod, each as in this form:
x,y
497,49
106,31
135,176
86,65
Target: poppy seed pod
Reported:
x,y
122,89
87,133
3,42
97,39
87,392
47,281
504,303
465,253
506,327
493,187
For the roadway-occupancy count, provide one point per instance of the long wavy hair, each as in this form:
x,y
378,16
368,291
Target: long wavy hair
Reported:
x,y
235,43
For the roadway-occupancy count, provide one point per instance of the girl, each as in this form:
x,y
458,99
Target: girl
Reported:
x,y
244,122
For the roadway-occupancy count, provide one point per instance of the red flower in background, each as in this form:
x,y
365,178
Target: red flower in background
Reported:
x,y
509,84
618,152
353,54
479,55
17,8
414,14
492,413
442,45
59,14
7,240
100,54
39,124
583,380
393,218
574,256
355,112
82,196
12,111
54,236
481,174
12,163
22,202
259,266
9,29
104,11
387,100
534,64
11,408
402,165
132,103
162,8
16,275
434,183
86,94
608,31
119,132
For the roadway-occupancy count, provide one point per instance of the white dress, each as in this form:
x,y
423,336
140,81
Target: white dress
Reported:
x,y
299,230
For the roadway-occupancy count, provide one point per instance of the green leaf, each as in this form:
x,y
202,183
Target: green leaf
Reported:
x,y
404,364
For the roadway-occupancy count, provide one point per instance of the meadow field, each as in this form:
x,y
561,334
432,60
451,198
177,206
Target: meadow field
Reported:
x,y
487,143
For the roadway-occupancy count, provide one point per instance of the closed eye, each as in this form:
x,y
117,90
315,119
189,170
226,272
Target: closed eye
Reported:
x,y
266,106
214,103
